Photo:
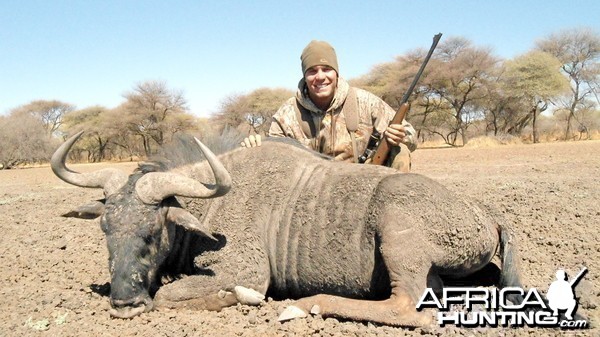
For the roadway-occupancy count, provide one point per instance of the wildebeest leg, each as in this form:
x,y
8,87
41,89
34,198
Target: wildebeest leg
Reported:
x,y
186,293
408,267
398,310
200,292
227,285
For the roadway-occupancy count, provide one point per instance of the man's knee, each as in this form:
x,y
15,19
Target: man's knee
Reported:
x,y
402,161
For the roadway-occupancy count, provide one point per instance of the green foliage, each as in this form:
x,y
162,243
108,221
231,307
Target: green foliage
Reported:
x,y
464,84
535,76
578,51
535,79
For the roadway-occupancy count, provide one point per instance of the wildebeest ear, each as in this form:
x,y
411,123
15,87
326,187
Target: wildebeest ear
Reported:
x,y
90,210
183,218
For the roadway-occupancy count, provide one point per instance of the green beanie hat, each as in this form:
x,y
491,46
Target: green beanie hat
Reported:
x,y
318,53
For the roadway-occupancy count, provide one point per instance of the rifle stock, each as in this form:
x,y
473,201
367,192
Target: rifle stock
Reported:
x,y
383,149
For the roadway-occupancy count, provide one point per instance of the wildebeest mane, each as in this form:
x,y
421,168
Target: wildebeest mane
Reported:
x,y
296,143
182,150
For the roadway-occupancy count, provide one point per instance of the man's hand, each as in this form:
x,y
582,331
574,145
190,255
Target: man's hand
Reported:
x,y
395,134
251,141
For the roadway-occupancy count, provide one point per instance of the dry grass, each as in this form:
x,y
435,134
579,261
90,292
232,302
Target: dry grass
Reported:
x,y
481,141
491,141
504,139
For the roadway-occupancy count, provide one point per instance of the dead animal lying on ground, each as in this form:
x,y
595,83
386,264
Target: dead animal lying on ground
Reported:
x,y
359,242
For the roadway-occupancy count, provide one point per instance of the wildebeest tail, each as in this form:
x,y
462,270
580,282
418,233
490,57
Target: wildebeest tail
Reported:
x,y
509,275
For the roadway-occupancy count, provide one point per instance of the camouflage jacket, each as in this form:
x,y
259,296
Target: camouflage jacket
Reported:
x,y
335,141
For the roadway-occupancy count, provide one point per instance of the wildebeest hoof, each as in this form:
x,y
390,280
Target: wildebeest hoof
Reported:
x,y
291,312
248,296
223,293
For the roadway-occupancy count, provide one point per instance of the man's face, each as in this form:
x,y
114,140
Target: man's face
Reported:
x,y
321,82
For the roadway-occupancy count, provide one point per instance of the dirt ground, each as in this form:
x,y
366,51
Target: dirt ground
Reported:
x,y
54,279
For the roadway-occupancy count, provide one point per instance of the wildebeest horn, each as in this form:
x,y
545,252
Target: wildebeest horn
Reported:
x,y
153,187
108,179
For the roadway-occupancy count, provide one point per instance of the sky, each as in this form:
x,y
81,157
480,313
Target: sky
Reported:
x,y
90,52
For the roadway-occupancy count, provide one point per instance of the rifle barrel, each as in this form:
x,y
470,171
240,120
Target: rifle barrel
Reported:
x,y
576,279
408,92
382,151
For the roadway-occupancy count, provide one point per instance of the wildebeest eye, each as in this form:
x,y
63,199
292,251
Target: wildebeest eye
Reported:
x,y
144,252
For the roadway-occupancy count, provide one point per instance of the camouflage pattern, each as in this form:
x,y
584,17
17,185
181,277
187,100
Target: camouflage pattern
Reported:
x,y
335,141
400,161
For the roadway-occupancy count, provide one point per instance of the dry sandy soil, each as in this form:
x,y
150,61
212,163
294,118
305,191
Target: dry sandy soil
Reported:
x,y
54,278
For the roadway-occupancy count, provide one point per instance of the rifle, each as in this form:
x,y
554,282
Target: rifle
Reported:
x,y
383,148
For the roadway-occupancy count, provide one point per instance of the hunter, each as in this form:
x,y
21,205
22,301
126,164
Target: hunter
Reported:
x,y
331,117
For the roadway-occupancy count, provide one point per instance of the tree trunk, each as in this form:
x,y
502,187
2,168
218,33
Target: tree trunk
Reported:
x,y
146,142
568,131
463,133
533,125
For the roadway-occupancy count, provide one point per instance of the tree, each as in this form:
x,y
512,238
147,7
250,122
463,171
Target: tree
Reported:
x,y
99,129
459,83
500,107
152,112
579,51
24,139
535,79
50,113
231,111
390,80
254,109
263,103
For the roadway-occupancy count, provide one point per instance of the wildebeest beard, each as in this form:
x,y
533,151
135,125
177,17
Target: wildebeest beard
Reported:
x,y
134,234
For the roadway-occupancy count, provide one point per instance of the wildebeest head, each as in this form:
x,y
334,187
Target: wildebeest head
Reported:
x,y
137,217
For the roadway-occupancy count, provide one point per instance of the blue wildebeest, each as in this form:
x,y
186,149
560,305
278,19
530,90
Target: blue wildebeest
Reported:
x,y
360,242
